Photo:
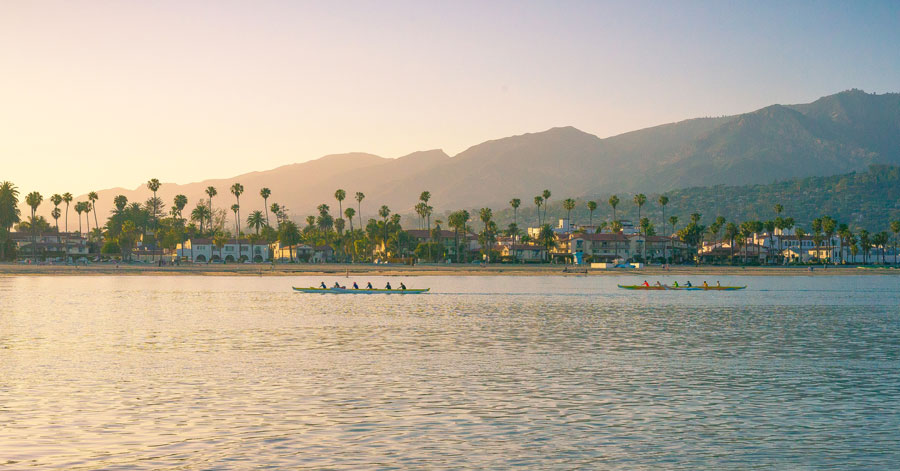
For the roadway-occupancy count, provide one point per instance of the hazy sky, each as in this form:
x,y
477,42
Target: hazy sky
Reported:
x,y
96,94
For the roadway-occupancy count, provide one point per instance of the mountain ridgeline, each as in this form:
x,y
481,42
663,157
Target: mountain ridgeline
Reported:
x,y
836,134
863,200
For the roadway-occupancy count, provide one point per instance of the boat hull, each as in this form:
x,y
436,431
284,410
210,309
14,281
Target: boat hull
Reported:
x,y
360,291
681,288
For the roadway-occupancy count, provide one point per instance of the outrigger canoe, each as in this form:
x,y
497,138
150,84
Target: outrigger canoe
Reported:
x,y
682,288
361,291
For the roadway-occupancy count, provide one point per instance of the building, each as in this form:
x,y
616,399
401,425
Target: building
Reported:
x,y
522,253
63,246
203,251
607,247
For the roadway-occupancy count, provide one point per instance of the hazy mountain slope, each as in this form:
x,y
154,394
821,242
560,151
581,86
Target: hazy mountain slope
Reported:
x,y
840,133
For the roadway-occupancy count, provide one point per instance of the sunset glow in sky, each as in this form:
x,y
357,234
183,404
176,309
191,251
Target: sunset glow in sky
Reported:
x,y
96,94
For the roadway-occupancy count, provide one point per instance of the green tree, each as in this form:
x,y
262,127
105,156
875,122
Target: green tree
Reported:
x,y
10,214
237,190
640,199
93,197
515,203
349,213
458,221
256,220
546,195
211,192
384,212
340,195
289,235
359,198
592,206
266,193
569,205
673,221
33,200
538,201
895,228
616,228
546,239
200,214
880,240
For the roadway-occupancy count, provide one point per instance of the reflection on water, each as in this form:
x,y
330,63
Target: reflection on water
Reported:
x,y
226,372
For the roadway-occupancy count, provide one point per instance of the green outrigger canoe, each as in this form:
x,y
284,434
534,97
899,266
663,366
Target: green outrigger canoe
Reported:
x,y
361,291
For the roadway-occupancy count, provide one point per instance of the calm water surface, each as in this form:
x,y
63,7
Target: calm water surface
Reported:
x,y
486,372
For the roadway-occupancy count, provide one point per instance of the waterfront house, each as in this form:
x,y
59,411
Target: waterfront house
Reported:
x,y
63,246
202,250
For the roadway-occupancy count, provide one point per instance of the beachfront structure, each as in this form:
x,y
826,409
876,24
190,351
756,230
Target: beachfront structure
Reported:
x,y
606,247
302,253
71,246
563,227
521,253
203,250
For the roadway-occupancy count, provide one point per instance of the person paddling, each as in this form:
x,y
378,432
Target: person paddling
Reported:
x,y
402,286
355,286
323,285
689,284
646,284
388,285
369,285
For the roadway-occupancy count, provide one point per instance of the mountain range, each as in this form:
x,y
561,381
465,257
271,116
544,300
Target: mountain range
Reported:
x,y
836,134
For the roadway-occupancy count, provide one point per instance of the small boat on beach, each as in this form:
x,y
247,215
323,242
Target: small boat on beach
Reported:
x,y
681,288
360,291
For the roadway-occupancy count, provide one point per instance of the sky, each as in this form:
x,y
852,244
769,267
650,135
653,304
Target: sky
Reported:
x,y
101,94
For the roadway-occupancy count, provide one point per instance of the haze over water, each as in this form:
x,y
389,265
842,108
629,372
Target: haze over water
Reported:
x,y
485,372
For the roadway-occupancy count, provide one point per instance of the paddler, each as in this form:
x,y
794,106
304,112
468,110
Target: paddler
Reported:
x,y
388,285
369,285
355,286
646,284
402,286
705,284
323,285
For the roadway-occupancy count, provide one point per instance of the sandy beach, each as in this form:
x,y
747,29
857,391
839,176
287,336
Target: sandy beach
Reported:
x,y
8,269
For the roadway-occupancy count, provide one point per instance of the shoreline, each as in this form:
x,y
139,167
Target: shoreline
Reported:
x,y
425,270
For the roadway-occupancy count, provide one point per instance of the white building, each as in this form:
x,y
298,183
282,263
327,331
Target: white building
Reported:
x,y
203,250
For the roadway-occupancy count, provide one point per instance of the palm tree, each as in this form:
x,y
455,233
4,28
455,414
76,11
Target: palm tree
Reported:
x,y
663,201
266,193
895,228
673,220
276,210
731,231
219,240
256,220
237,190
426,211
458,221
359,197
340,195
616,228
546,195
349,213
880,240
538,201
640,199
56,213
200,214
569,205
211,192
153,185
515,203
86,207
9,213
614,201
33,200
79,208
289,235
93,197
592,206
120,202
384,212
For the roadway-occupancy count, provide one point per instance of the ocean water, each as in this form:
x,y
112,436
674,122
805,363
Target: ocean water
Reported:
x,y
484,372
